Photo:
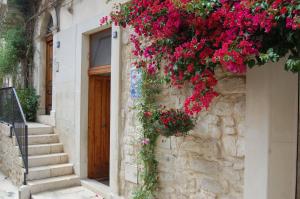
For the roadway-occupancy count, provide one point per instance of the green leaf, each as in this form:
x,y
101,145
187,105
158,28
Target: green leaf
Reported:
x,y
293,64
251,63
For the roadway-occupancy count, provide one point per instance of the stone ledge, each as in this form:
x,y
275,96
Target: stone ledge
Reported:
x,y
5,129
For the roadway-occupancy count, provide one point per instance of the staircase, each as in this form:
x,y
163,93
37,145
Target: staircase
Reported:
x,y
49,168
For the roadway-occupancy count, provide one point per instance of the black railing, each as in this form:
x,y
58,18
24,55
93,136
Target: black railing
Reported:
x,y
11,113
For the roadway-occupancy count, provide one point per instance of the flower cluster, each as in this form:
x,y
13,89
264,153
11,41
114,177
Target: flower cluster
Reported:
x,y
174,122
188,39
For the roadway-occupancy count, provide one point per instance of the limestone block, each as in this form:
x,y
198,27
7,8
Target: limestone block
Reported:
x,y
228,121
165,143
125,37
239,165
186,183
241,128
166,161
129,159
200,147
204,195
24,192
240,108
229,131
240,147
11,164
214,131
231,175
204,166
166,178
223,108
131,173
229,143
210,185
208,127
230,85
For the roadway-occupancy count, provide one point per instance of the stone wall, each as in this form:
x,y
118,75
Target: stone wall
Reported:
x,y
207,164
10,162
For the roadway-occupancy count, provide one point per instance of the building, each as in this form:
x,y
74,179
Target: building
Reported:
x,y
245,146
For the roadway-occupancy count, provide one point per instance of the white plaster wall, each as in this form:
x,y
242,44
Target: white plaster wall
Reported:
x,y
65,88
271,138
83,10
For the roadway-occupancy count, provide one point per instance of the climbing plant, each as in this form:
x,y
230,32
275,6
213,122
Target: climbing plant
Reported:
x,y
12,51
187,40
147,114
16,38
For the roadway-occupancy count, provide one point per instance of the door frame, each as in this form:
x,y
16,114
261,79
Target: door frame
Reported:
x,y
84,30
93,72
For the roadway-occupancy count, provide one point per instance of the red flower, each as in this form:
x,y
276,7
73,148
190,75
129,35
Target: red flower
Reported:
x,y
148,114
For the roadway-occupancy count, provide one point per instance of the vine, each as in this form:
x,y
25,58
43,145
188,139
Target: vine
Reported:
x,y
150,88
16,34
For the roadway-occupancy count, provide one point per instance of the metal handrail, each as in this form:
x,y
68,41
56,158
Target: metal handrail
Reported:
x,y
11,112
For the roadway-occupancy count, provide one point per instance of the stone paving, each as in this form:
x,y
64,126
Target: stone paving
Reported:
x,y
7,189
69,193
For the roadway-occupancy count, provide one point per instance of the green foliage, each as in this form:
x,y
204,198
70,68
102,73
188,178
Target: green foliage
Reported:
x,y
12,51
202,7
16,36
30,102
149,175
281,42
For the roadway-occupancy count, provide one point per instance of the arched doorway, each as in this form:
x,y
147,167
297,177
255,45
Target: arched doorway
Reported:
x,y
49,67
44,56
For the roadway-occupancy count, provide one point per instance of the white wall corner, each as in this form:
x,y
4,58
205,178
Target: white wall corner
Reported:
x,y
271,137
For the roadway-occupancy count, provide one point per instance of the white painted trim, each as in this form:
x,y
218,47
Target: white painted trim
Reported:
x,y
115,111
271,137
40,59
81,100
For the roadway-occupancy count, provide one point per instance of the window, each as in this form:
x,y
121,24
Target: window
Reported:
x,y
100,49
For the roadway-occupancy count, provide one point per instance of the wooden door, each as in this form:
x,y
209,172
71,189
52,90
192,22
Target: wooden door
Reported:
x,y
49,64
99,127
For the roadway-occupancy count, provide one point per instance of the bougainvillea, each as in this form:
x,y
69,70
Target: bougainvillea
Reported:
x,y
188,39
173,123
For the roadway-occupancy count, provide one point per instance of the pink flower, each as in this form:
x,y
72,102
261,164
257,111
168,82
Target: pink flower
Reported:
x,y
148,114
151,68
145,141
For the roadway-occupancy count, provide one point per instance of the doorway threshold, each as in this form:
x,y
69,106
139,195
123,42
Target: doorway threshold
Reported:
x,y
97,187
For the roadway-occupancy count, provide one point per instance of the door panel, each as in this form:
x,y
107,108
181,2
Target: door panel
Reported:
x,y
49,64
99,127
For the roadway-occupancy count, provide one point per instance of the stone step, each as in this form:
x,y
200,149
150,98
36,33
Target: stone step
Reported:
x,y
49,159
38,173
40,139
43,139
44,149
38,186
39,129
40,132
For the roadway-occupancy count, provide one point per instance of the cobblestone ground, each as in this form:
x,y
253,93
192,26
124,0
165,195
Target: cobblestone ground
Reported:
x,y
7,189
